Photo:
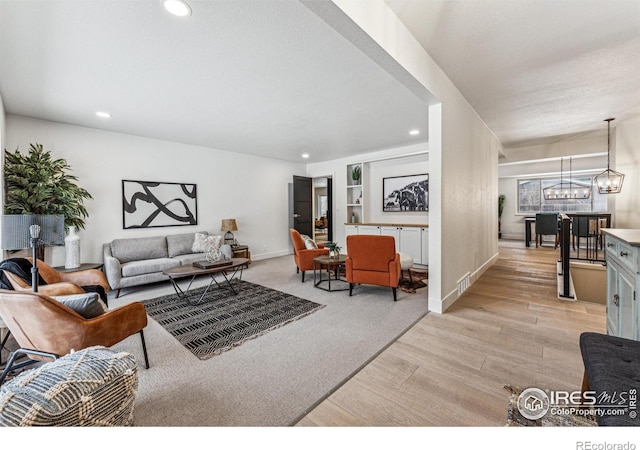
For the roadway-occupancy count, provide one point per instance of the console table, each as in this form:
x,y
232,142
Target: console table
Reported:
x,y
84,266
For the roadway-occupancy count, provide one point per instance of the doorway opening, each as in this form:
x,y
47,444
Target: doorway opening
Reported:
x,y
322,210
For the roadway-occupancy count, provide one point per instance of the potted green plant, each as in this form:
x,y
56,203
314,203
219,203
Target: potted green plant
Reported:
x,y
36,183
334,249
501,201
356,173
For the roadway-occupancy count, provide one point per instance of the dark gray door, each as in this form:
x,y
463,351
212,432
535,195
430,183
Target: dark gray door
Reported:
x,y
302,205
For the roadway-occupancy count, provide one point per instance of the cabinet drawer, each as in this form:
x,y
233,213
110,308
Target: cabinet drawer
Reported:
x,y
627,257
611,247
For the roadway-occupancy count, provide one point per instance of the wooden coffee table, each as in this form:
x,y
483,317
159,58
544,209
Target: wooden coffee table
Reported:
x,y
332,265
174,273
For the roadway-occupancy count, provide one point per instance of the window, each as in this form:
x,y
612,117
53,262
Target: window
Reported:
x,y
532,200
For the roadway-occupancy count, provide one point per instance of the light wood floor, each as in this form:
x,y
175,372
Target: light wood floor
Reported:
x,y
450,369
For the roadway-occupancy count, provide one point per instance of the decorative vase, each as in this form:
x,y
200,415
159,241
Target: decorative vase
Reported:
x,y
72,249
332,254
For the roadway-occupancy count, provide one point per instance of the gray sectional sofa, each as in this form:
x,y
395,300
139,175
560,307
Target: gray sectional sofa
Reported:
x,y
138,261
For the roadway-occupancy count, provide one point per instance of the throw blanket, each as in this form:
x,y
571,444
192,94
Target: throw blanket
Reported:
x,y
21,267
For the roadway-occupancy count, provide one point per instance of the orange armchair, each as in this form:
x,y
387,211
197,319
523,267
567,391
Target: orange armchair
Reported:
x,y
46,329
372,259
304,256
59,283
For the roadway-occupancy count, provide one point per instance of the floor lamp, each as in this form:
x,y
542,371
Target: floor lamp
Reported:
x,y
20,231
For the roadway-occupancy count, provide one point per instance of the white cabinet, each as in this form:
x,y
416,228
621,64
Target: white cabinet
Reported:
x,y
424,240
410,243
369,229
392,231
623,258
412,240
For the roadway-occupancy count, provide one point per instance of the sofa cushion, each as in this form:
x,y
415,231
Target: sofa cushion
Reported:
x,y
136,249
181,244
88,305
189,259
91,387
143,267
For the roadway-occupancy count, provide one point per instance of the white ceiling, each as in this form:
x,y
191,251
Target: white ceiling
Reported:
x,y
272,78
535,70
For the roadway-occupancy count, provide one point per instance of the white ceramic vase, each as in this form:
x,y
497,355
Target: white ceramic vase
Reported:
x,y
72,249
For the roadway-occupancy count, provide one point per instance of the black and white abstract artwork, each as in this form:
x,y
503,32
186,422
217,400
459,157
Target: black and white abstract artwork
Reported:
x,y
147,204
405,193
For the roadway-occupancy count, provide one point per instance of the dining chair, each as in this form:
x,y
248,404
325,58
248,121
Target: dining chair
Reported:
x,y
547,224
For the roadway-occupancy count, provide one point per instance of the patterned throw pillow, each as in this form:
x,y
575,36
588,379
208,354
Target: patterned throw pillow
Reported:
x,y
204,243
308,242
92,387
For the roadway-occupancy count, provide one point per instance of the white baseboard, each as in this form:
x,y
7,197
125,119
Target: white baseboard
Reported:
x,y
439,306
270,255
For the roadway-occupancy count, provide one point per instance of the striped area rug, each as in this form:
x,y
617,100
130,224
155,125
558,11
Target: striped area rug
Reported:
x,y
222,320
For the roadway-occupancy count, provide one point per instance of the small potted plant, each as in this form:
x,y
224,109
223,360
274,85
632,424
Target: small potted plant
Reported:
x,y
356,172
334,249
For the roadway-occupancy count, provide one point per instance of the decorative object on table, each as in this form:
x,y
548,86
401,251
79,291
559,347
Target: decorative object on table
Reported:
x,y
334,249
214,255
609,181
210,264
356,173
405,193
501,201
220,322
229,225
35,183
147,204
20,231
72,249
58,393
354,218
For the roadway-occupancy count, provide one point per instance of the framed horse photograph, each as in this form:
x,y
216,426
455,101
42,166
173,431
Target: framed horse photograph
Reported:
x,y
405,193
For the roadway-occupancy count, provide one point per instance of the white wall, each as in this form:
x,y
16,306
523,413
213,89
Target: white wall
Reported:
x,y
463,161
588,159
251,189
627,161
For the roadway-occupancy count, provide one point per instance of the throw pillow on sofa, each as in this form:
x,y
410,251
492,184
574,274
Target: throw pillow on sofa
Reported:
x,y
204,243
181,244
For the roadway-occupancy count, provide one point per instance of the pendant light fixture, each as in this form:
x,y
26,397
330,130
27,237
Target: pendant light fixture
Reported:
x,y
567,190
609,181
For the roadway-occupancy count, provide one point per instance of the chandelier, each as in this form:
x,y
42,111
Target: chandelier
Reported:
x,y
567,190
609,181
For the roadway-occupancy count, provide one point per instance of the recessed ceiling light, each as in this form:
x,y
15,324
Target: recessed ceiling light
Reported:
x,y
414,132
177,7
103,114
305,155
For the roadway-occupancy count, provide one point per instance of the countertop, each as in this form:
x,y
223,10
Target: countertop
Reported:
x,y
630,236
418,225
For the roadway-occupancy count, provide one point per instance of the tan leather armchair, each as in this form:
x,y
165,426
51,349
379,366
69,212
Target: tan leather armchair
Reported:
x,y
46,329
60,283
372,259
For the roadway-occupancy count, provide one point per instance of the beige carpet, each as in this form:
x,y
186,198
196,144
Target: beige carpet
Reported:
x,y
277,378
